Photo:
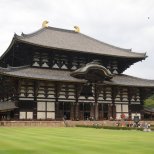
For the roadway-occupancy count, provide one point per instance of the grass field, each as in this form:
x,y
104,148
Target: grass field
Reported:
x,y
74,141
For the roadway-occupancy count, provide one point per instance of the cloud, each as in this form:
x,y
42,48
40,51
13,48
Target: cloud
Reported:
x,y
123,23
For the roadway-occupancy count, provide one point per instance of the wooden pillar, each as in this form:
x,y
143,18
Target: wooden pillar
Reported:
x,y
129,102
57,114
100,111
129,109
96,103
77,111
141,109
113,111
35,100
96,111
109,111
16,114
114,93
78,88
16,111
92,114
72,115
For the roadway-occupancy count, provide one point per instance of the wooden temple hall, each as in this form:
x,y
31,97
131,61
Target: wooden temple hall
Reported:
x,y
55,73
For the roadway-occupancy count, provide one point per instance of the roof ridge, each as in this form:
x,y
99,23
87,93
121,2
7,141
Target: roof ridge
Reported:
x,y
43,29
61,29
65,30
33,33
11,68
72,31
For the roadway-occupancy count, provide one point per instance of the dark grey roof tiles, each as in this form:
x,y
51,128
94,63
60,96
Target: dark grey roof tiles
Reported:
x,y
93,71
148,109
41,74
127,80
7,105
64,76
69,40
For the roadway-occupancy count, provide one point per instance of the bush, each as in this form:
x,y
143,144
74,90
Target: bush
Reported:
x,y
149,102
110,127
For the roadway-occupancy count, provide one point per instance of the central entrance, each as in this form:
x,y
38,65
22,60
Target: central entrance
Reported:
x,y
85,109
65,109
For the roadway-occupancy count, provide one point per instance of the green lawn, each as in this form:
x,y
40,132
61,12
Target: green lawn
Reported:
x,y
24,140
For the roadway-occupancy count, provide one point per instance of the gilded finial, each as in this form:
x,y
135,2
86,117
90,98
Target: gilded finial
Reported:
x,y
45,24
77,29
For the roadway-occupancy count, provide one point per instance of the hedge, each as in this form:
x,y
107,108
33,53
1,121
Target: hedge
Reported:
x,y
110,127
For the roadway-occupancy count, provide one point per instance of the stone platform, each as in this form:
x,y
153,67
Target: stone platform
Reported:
x,y
67,123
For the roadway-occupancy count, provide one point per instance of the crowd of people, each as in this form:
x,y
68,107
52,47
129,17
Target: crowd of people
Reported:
x,y
146,126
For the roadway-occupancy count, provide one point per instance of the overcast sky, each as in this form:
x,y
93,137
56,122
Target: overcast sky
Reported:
x,y
124,23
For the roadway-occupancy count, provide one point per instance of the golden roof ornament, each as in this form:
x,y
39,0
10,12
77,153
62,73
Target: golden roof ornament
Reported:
x,y
45,24
77,29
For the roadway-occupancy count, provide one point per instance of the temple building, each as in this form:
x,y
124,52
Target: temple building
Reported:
x,y
55,73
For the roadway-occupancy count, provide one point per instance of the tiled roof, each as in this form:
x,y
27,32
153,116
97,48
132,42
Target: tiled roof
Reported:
x,y
64,76
8,105
51,37
40,74
127,80
148,109
93,71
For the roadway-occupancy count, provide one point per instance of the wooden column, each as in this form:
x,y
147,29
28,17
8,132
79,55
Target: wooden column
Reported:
x,y
16,114
100,116
58,115
129,102
114,93
141,109
96,103
35,100
92,110
78,88
113,111
77,111
109,111
16,111
96,111
72,115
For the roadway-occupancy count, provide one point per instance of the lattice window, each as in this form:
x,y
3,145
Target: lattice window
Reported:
x,y
25,115
135,96
108,93
26,90
67,92
36,59
114,67
44,60
45,110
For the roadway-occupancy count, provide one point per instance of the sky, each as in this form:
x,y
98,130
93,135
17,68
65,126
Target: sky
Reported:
x,y
124,23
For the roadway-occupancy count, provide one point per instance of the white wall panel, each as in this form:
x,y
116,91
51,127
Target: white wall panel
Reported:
x,y
125,108
29,115
22,115
118,107
51,115
41,106
40,115
50,106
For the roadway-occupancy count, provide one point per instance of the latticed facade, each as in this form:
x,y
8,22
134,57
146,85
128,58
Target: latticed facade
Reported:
x,y
54,73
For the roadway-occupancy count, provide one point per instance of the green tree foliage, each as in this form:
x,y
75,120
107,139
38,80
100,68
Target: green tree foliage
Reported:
x,y
149,102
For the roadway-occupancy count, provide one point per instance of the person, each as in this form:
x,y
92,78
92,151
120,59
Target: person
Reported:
x,y
64,118
123,116
149,126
